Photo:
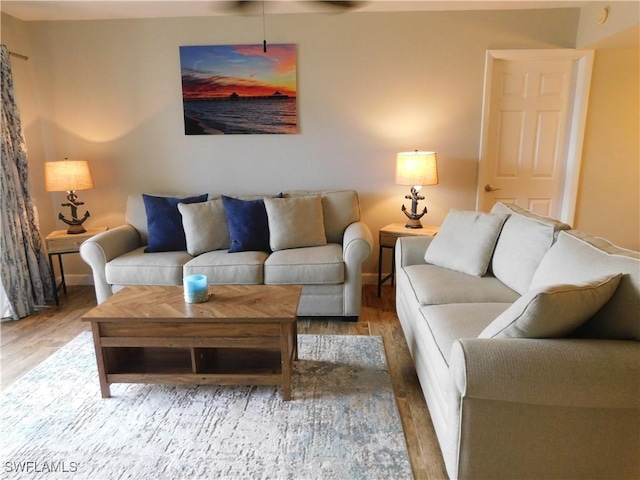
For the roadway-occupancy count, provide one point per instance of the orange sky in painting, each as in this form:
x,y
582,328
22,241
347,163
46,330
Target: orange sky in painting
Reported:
x,y
219,71
225,86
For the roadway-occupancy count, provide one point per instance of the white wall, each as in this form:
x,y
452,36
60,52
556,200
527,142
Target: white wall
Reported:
x,y
622,16
369,85
609,196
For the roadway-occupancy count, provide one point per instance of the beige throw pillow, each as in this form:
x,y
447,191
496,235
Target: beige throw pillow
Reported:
x,y
295,222
552,311
205,226
465,241
524,240
578,255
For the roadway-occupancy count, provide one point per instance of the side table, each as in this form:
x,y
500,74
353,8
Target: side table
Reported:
x,y
59,243
388,236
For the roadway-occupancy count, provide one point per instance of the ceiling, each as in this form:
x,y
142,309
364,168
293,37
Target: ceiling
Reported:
x,y
33,10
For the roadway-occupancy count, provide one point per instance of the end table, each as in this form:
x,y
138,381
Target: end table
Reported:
x,y
388,236
60,243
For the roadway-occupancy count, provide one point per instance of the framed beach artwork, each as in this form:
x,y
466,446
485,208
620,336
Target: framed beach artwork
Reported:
x,y
239,89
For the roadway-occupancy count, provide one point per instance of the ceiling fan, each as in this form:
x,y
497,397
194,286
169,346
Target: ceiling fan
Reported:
x,y
244,6
247,6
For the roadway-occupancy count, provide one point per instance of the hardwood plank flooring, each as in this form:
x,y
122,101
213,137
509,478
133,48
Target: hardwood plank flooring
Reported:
x,y
27,342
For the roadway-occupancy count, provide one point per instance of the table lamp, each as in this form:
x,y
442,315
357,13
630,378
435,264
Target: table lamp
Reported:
x,y
416,169
69,176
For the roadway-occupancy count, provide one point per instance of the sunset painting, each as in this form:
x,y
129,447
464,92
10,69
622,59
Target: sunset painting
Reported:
x,y
239,89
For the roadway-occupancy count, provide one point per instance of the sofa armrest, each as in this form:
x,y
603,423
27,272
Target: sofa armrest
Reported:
x,y
411,250
565,372
357,245
557,408
100,249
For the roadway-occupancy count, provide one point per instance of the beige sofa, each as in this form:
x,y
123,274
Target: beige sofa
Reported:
x,y
524,374
317,238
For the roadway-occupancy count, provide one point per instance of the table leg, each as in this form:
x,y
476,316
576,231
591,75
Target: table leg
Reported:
x,y
63,283
53,279
393,265
379,270
102,370
295,338
287,348
393,268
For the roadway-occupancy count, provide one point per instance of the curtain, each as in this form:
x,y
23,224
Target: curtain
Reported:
x,y
24,270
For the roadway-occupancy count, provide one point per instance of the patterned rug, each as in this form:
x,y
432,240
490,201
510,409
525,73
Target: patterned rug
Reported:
x,y
342,423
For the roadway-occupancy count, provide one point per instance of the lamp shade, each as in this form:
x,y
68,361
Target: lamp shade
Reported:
x,y
417,168
67,176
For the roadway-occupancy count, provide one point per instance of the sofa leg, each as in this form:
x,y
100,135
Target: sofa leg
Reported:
x,y
352,318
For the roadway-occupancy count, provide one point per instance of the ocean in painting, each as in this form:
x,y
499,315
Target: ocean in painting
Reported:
x,y
246,116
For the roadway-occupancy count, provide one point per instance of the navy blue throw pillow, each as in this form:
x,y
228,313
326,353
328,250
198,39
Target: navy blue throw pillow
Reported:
x,y
248,224
164,222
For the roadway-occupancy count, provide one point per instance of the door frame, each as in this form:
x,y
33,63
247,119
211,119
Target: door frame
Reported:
x,y
578,103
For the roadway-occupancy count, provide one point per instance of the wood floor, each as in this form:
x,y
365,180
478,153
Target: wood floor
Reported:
x,y
27,342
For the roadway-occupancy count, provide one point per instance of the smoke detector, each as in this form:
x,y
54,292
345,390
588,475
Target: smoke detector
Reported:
x,y
603,16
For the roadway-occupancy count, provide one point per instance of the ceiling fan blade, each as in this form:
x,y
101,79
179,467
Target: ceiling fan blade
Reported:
x,y
341,5
241,6
252,6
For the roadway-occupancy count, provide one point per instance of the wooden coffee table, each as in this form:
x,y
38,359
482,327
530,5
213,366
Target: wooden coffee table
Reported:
x,y
243,335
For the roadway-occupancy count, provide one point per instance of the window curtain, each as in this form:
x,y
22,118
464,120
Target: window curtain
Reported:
x,y
24,271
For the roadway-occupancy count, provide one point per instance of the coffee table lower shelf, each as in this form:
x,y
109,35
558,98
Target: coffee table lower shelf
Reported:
x,y
201,366
223,361
245,335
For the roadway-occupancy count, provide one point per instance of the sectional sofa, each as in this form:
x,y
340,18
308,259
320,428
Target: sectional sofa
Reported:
x,y
525,337
310,238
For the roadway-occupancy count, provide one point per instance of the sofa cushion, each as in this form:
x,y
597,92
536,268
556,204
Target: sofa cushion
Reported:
x,y
136,215
248,224
578,256
513,209
307,265
140,268
164,223
432,342
465,241
222,267
435,285
295,222
552,311
205,226
451,322
340,209
523,241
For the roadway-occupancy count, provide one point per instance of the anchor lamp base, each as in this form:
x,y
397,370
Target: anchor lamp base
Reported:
x,y
413,216
75,229
75,224
413,224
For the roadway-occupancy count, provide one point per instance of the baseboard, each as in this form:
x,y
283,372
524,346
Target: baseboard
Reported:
x,y
76,279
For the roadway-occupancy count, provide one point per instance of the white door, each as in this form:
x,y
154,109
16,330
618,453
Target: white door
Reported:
x,y
533,121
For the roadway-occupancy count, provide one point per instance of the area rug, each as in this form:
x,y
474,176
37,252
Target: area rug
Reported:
x,y
342,422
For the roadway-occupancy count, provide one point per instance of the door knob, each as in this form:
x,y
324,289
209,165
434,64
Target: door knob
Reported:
x,y
490,188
